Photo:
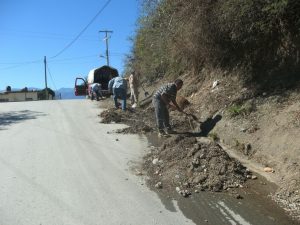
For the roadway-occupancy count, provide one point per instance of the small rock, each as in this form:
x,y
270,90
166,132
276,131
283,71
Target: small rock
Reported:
x,y
186,184
155,161
177,176
196,191
269,170
178,189
196,161
253,177
185,193
117,139
158,185
215,83
238,196
243,130
139,173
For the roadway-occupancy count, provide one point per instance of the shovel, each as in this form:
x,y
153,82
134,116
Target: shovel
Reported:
x,y
193,116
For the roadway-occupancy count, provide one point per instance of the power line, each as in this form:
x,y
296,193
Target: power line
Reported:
x,y
65,48
48,70
20,64
40,35
81,32
73,58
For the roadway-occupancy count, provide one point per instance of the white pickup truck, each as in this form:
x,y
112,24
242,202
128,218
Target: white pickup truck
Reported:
x,y
100,75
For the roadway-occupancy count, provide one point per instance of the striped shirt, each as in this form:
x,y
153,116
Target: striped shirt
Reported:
x,y
170,90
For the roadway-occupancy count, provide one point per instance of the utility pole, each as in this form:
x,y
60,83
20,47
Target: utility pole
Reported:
x,y
106,40
46,90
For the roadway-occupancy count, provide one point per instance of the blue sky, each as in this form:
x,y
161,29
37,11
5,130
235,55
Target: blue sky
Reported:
x,y
32,29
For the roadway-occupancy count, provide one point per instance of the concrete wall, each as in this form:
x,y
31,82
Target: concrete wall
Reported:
x,y
18,96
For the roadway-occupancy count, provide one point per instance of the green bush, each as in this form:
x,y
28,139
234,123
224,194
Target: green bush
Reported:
x,y
239,109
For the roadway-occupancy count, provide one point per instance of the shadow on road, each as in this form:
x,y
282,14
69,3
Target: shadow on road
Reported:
x,y
12,117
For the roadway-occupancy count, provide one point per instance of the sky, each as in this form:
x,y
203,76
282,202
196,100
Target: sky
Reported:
x,y
32,29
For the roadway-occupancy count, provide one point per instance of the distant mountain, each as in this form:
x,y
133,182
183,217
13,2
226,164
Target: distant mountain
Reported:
x,y
67,93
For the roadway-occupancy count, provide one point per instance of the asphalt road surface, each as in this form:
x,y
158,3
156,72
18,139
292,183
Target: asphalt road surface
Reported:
x,y
60,166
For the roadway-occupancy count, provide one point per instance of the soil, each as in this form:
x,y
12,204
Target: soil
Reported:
x,y
261,128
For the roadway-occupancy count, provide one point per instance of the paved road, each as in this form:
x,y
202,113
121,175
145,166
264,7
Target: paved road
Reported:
x,y
58,166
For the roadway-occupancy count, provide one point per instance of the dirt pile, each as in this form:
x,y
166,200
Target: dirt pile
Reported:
x,y
184,160
139,121
188,163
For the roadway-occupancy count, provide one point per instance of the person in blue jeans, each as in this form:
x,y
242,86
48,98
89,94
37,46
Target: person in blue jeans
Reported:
x,y
161,101
118,86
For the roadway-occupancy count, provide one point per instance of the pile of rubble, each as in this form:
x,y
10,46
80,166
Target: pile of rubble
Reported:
x,y
185,164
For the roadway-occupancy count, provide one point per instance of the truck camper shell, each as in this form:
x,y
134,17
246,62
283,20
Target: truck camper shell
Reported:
x,y
101,75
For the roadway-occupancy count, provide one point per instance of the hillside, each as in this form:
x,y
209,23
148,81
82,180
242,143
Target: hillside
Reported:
x,y
250,51
238,138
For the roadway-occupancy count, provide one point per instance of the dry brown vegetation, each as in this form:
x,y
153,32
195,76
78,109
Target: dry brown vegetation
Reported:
x,y
261,38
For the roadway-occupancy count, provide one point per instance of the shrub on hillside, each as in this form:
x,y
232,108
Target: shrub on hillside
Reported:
x,y
260,36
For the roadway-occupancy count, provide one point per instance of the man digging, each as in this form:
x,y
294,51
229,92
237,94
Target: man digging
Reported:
x,y
161,102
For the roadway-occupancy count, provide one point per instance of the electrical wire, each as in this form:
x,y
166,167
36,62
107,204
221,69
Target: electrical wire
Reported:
x,y
81,32
73,58
48,71
47,36
20,64
66,47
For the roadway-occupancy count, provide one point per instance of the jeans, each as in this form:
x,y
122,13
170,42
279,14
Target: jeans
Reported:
x,y
96,94
162,114
120,93
134,95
